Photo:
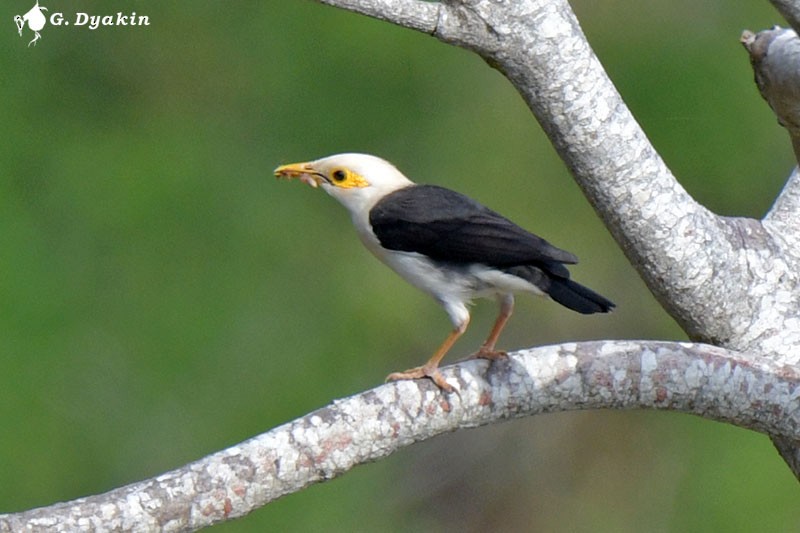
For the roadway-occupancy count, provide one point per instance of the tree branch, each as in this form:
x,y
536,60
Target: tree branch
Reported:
x,y
775,57
692,378
782,219
789,10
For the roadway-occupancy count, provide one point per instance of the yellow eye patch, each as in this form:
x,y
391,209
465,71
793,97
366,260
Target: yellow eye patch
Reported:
x,y
347,179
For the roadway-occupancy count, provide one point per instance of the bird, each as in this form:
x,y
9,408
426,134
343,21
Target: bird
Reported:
x,y
35,19
447,245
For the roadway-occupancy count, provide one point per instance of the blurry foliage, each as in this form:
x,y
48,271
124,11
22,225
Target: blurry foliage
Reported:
x,y
162,296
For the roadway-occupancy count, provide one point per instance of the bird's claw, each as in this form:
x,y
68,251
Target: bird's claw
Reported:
x,y
422,372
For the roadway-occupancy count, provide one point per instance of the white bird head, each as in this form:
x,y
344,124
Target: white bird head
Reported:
x,y
357,181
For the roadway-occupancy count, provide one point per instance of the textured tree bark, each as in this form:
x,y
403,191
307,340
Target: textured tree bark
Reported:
x,y
729,282
775,56
705,380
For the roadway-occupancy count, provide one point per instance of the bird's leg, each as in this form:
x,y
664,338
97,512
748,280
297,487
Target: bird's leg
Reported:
x,y
431,368
487,350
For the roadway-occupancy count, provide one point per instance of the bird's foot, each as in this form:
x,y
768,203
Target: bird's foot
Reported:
x,y
488,353
422,372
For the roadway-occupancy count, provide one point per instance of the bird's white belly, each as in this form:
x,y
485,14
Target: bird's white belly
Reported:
x,y
452,282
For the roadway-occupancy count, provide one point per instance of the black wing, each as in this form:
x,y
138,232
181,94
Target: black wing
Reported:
x,y
448,226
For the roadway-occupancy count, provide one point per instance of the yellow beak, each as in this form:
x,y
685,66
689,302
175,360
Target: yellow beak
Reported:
x,y
305,172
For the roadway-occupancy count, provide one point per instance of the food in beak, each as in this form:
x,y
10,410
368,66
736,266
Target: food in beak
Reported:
x,y
294,171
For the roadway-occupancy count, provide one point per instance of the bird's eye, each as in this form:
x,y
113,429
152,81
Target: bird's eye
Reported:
x,y
344,178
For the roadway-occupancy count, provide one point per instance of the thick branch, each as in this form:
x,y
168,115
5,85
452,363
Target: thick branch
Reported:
x,y
692,378
775,57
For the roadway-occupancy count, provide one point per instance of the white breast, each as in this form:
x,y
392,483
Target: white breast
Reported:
x,y
450,282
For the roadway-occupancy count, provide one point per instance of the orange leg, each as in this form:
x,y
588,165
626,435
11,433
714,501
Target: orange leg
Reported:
x,y
431,368
487,350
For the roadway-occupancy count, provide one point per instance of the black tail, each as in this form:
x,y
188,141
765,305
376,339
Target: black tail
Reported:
x,y
577,297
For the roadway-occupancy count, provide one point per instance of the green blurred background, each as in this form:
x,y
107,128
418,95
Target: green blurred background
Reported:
x,y
163,297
